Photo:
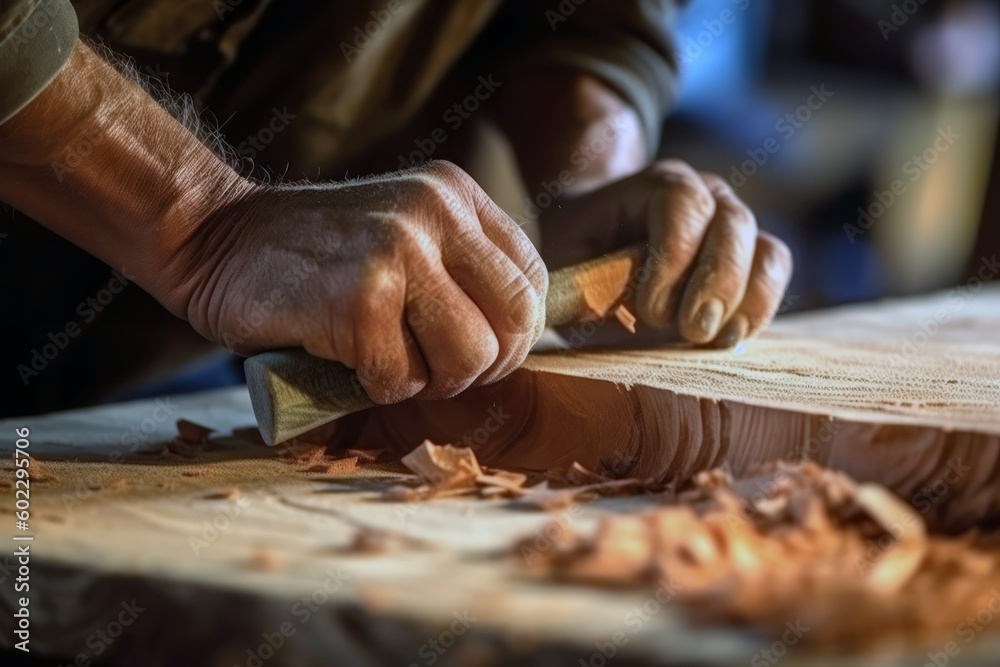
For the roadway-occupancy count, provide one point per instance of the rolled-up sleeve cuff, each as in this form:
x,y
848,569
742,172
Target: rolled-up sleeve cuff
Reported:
x,y
33,52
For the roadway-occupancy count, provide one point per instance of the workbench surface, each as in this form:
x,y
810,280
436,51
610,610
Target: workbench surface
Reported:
x,y
206,558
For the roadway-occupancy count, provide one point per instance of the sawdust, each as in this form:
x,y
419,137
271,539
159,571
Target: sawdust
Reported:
x,y
38,472
794,543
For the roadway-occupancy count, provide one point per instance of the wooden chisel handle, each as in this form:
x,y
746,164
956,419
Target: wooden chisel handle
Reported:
x,y
293,392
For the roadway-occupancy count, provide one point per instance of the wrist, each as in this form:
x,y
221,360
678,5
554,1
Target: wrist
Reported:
x,y
195,235
99,162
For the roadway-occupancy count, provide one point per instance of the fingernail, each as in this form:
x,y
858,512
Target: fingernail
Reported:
x,y
708,318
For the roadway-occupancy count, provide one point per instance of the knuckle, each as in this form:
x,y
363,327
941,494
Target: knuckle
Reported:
x,y
380,374
463,369
740,216
694,193
510,359
683,243
522,308
449,173
671,166
715,183
776,256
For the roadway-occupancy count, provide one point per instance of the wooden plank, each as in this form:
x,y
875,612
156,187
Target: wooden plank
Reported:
x,y
109,530
901,393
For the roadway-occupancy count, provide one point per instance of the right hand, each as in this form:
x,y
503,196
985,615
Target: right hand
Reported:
x,y
417,280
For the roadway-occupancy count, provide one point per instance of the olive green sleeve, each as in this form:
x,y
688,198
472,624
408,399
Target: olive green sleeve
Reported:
x,y
36,39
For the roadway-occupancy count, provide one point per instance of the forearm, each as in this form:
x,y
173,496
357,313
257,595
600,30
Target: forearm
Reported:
x,y
570,127
98,161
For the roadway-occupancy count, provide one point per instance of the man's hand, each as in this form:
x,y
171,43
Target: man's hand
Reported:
x,y
715,277
417,280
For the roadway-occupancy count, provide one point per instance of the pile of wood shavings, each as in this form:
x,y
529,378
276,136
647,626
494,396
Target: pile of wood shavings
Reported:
x,y
795,544
446,470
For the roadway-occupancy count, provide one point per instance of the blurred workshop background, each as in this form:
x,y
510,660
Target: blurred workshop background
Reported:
x,y
863,132
882,188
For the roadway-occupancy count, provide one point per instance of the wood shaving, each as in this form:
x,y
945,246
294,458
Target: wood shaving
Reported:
x,y
852,562
446,470
366,454
625,316
301,453
444,466
575,474
336,467
192,433
512,482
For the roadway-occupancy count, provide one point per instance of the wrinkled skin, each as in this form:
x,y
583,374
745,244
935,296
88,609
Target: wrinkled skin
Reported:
x,y
417,280
715,278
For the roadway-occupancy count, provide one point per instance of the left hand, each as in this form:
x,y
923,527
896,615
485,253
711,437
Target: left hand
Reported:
x,y
714,277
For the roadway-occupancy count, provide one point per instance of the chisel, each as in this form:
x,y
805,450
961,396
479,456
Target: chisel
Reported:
x,y
293,392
